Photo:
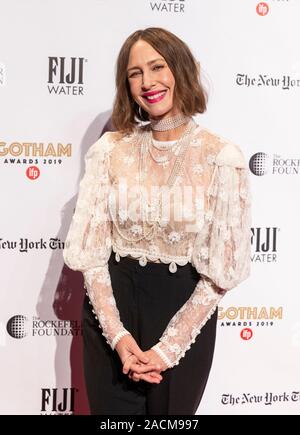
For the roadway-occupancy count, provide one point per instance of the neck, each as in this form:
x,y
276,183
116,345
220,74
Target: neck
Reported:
x,y
168,128
173,134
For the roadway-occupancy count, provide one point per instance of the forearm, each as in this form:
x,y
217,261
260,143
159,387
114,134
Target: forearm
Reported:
x,y
99,289
187,323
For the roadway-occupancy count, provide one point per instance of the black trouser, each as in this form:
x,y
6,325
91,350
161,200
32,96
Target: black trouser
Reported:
x,y
147,297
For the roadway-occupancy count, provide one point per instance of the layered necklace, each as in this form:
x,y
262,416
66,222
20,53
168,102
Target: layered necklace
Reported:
x,y
172,148
178,149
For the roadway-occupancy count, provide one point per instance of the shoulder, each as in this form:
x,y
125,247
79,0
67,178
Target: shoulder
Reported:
x,y
231,155
104,145
224,151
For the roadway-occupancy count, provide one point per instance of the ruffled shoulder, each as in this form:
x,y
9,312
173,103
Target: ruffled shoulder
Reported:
x,y
102,147
231,155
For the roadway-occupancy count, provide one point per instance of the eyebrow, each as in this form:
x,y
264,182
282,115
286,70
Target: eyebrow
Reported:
x,y
148,63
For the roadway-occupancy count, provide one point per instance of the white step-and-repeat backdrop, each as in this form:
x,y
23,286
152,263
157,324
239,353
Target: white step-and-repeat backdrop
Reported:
x,y
57,63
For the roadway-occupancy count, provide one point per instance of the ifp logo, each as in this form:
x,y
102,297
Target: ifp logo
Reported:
x,y
262,8
246,334
33,172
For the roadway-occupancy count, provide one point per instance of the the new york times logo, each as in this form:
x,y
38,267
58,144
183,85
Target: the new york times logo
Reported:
x,y
58,400
285,82
267,399
66,75
176,6
2,75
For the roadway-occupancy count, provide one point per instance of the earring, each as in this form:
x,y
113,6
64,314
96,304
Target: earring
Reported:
x,y
141,114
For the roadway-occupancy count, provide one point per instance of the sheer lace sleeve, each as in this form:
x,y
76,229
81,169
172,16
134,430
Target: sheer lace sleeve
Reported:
x,y
221,252
88,243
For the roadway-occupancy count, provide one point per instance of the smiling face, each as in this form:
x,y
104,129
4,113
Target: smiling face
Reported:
x,y
151,81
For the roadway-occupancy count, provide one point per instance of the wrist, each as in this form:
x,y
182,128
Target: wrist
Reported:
x,y
118,337
162,355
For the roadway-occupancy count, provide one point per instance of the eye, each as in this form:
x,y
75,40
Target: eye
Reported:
x,y
134,74
158,67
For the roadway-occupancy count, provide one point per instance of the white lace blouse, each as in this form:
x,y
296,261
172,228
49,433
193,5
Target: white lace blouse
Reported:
x,y
209,227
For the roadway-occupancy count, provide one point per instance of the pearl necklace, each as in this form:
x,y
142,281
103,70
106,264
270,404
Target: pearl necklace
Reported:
x,y
163,145
169,123
183,144
172,149
176,170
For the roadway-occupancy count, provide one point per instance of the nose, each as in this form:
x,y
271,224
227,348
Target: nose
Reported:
x,y
147,81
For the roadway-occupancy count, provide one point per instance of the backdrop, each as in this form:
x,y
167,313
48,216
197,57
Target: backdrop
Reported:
x,y
57,64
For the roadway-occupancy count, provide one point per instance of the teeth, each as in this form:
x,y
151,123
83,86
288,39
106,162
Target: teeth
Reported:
x,y
151,97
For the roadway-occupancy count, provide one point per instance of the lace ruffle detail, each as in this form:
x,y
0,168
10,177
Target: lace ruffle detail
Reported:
x,y
88,243
198,331
187,323
118,338
143,256
164,357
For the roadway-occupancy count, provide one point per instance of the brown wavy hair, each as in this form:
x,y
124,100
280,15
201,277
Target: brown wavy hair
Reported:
x,y
189,93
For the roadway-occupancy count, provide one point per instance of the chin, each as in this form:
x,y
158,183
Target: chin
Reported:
x,y
158,112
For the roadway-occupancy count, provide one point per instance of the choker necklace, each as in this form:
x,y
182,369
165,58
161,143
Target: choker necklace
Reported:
x,y
169,123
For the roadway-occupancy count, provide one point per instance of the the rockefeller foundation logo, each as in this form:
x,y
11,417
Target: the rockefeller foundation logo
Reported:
x,y
20,326
17,326
263,164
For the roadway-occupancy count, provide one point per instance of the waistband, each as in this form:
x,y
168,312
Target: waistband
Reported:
x,y
152,267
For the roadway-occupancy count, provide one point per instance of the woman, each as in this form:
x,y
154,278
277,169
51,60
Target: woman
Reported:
x,y
161,231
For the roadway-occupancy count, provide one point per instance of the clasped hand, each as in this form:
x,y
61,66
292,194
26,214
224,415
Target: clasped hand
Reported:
x,y
138,364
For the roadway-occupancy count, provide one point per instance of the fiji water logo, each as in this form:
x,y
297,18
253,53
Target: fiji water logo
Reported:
x,y
173,6
58,400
